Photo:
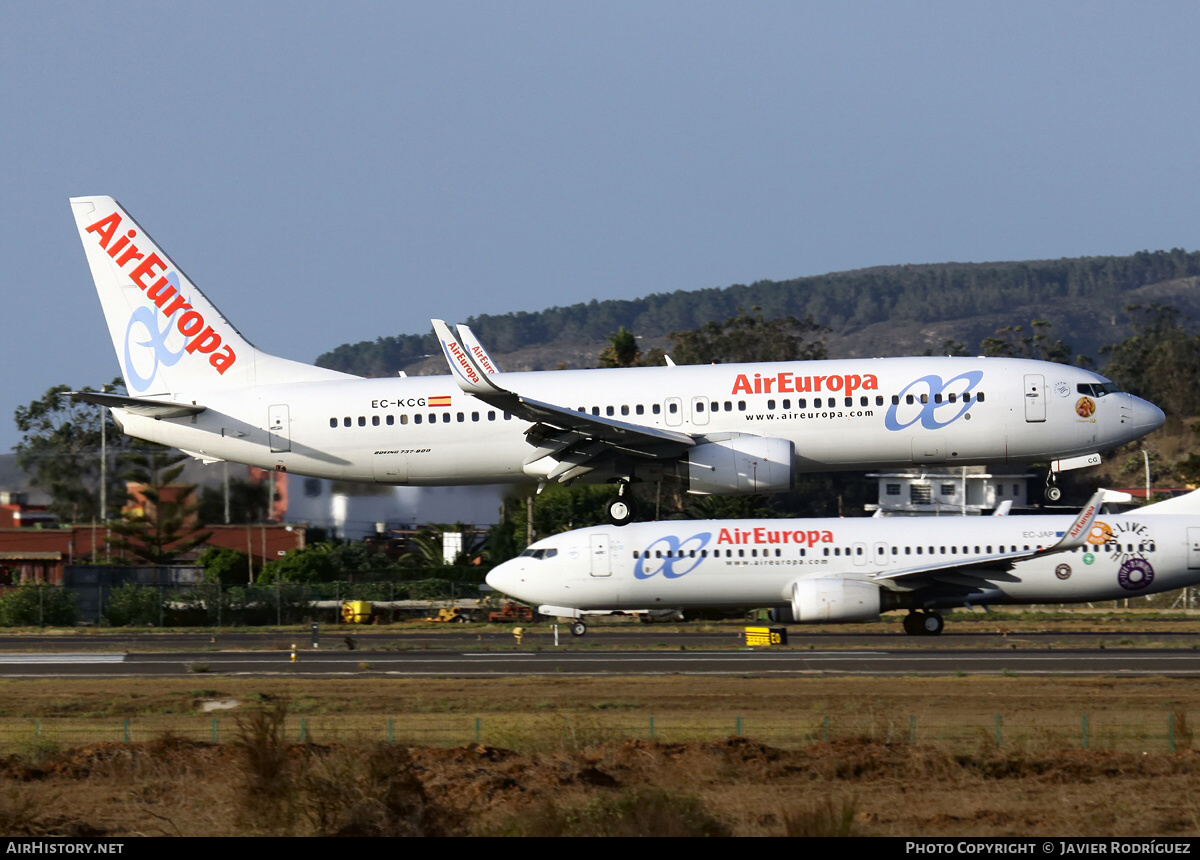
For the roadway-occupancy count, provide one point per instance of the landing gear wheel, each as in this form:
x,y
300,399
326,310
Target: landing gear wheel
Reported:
x,y
621,510
923,624
578,628
1053,493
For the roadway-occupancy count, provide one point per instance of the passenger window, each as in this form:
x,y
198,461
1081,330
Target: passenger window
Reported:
x,y
801,403
770,404
672,408
346,421
924,398
362,421
728,406
656,408
417,419
896,399
787,404
878,399
445,417
609,411
849,401
909,399
596,410
474,416
391,419
979,397
491,416
625,409
741,406
640,409
404,419
332,422
461,418
374,420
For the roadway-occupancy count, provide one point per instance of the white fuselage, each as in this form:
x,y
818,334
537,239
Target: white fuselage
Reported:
x,y
754,563
425,431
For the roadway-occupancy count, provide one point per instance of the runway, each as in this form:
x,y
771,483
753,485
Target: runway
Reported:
x,y
567,661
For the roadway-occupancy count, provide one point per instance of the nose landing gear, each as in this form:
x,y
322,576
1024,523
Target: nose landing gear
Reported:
x,y
621,510
1053,493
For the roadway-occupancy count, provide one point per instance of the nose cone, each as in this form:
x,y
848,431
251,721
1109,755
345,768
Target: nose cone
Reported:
x,y
504,577
1146,416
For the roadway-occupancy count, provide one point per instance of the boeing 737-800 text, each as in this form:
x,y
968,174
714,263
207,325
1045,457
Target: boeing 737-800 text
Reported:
x,y
196,384
830,570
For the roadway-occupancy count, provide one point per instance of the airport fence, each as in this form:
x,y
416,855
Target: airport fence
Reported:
x,y
1156,733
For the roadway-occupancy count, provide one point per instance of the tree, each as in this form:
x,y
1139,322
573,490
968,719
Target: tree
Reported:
x,y
622,350
166,525
746,338
61,450
1014,342
1160,361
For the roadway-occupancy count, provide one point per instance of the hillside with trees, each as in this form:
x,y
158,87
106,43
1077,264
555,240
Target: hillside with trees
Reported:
x,y
885,310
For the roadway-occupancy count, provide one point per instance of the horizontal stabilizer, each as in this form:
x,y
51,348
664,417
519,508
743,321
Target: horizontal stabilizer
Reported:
x,y
140,405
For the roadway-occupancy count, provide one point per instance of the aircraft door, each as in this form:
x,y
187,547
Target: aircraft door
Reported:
x,y
879,554
673,411
1193,537
1035,397
860,554
699,410
278,431
601,558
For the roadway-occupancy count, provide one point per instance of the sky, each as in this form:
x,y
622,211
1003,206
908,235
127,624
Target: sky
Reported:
x,y
336,172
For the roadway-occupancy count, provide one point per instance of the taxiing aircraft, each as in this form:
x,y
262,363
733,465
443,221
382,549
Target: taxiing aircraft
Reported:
x,y
196,384
832,570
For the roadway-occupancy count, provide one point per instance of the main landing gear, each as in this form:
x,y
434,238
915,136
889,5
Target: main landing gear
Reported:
x,y
1053,493
578,628
621,510
923,624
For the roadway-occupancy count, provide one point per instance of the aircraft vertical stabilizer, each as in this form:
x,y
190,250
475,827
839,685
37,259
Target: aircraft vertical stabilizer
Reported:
x,y
168,336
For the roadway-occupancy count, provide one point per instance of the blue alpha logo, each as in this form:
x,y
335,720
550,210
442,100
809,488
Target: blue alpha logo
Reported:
x,y
932,402
154,339
671,556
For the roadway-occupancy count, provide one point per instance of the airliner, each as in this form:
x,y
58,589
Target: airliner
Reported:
x,y
193,382
835,570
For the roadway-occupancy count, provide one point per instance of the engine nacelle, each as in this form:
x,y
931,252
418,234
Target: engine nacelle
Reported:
x,y
743,464
834,599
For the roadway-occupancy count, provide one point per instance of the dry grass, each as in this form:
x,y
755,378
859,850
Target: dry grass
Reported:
x,y
560,770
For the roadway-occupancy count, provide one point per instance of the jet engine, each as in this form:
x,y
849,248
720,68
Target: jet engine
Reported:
x,y
834,599
742,464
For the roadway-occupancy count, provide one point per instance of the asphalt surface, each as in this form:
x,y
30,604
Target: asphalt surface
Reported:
x,y
636,653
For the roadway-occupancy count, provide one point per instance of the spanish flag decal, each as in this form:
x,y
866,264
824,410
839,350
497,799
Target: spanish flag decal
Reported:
x,y
439,401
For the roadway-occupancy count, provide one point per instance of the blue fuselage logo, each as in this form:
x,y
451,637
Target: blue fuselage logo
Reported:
x,y
932,402
672,556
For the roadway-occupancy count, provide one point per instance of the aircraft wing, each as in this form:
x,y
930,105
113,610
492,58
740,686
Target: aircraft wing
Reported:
x,y
574,439
140,405
997,565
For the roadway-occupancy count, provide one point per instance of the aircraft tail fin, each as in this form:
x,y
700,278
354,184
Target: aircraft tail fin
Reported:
x,y
168,336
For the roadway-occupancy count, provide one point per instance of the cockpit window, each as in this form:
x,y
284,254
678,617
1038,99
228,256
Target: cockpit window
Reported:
x,y
539,553
1097,389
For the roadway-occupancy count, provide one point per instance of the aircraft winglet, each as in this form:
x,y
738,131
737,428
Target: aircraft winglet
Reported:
x,y
1077,534
470,376
472,345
